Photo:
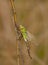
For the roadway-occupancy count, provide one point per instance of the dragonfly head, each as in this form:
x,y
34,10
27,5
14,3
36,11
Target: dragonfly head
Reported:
x,y
21,27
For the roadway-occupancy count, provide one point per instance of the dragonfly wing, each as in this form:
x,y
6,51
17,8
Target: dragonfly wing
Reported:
x,y
31,37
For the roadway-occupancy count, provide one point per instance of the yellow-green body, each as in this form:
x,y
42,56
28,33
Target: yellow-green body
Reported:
x,y
24,32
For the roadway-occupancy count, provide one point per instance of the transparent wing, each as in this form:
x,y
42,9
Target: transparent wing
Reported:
x,y
31,38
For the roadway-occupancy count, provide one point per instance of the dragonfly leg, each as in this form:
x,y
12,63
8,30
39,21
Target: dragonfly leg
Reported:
x,y
19,36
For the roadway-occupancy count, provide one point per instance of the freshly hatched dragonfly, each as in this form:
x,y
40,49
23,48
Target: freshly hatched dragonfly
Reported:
x,y
21,30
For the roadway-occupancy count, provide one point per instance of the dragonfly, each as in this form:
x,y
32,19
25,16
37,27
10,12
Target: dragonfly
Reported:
x,y
22,31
